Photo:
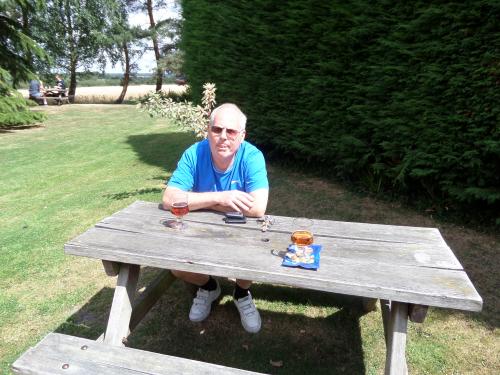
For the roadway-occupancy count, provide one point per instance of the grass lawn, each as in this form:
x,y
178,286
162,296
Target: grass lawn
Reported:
x,y
89,161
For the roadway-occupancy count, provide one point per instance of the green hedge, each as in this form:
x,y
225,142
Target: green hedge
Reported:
x,y
399,96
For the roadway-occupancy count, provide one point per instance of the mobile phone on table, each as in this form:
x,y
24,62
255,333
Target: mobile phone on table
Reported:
x,y
235,218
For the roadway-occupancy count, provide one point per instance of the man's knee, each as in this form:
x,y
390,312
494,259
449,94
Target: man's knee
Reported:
x,y
245,284
179,274
191,277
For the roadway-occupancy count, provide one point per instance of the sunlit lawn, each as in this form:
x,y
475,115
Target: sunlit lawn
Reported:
x,y
87,162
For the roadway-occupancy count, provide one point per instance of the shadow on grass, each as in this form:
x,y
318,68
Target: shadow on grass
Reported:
x,y
161,149
321,345
134,193
478,254
13,129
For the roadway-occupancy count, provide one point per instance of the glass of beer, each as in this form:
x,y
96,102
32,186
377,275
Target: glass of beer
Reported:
x,y
179,208
302,236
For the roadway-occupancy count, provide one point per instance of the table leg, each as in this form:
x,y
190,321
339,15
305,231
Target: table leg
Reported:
x,y
395,318
121,308
111,268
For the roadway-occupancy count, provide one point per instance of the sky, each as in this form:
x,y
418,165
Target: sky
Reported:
x,y
147,61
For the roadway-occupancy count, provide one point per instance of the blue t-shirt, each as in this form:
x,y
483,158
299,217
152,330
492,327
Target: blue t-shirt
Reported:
x,y
196,171
34,87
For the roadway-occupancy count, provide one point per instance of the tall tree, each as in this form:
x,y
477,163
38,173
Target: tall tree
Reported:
x,y
16,45
70,30
122,43
16,49
161,32
156,48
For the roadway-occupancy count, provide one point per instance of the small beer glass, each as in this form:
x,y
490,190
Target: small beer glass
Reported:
x,y
302,236
179,208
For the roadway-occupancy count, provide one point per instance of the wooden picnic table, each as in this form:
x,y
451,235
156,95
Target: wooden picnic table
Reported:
x,y
406,268
54,92
57,94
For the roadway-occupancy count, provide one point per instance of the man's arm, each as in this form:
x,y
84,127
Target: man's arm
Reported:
x,y
259,206
251,204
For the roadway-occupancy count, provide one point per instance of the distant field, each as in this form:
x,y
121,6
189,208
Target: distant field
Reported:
x,y
107,94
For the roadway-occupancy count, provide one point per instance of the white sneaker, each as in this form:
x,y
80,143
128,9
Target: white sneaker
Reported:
x,y
202,303
250,317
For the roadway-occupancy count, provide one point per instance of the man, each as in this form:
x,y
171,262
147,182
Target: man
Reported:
x,y
60,85
223,173
36,91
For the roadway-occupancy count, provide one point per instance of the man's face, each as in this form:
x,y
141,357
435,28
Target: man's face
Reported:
x,y
225,135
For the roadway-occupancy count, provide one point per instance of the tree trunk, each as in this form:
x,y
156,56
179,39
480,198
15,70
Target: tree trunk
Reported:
x,y
156,48
126,74
72,81
73,51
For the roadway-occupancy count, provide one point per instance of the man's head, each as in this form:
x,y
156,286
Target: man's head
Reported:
x,y
225,133
58,77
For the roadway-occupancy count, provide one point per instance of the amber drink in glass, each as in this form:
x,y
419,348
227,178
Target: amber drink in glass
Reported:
x,y
302,236
179,209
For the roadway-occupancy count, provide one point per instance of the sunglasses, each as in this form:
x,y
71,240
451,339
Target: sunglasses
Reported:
x,y
230,133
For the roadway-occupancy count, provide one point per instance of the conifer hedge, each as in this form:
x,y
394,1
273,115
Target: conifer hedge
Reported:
x,y
401,96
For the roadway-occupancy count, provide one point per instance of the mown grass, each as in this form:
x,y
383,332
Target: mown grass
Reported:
x,y
87,162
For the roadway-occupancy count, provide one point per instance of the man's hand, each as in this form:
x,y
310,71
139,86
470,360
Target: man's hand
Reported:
x,y
237,200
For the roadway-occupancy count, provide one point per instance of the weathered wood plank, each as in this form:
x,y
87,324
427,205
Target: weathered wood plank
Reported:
x,y
418,285
82,356
396,340
147,299
417,254
121,309
417,313
338,229
111,268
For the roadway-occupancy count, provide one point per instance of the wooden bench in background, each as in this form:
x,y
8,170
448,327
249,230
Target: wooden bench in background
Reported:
x,y
59,100
62,354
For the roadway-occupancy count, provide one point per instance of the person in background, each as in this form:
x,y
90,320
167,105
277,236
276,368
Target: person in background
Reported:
x,y
60,84
36,91
223,173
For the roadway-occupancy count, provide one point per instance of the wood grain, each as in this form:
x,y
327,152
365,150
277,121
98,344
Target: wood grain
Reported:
x,y
396,339
121,310
406,264
81,356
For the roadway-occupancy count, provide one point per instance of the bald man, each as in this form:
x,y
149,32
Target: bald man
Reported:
x,y
223,173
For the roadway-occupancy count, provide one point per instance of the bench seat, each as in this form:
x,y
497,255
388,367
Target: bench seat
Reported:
x,y
58,99
62,354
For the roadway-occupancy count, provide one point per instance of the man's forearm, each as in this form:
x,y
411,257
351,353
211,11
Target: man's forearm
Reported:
x,y
196,201
253,212
251,204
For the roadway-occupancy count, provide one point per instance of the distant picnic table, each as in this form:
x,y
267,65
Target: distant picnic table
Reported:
x,y
406,268
60,96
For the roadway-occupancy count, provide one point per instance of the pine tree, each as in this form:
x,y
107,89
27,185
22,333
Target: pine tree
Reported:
x,y
16,50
